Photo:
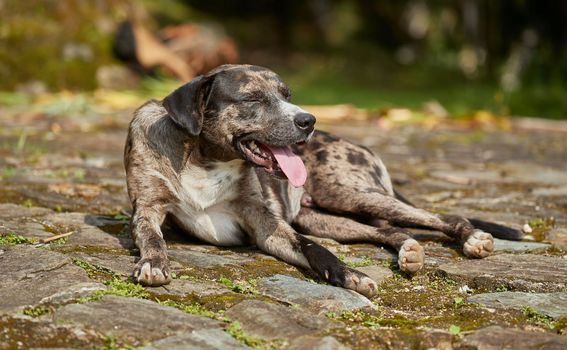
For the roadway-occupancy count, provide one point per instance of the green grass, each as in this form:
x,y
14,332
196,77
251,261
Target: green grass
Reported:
x,y
457,99
379,84
14,239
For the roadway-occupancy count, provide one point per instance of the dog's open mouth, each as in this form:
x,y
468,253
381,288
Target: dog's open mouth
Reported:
x,y
276,160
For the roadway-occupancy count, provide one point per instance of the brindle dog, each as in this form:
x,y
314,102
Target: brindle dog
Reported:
x,y
219,156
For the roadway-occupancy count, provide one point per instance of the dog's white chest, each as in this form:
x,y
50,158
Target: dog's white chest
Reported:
x,y
206,188
205,208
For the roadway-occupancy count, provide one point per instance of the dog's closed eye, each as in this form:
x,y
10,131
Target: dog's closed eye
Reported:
x,y
253,97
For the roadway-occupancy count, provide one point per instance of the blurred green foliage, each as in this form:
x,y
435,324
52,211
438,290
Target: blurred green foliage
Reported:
x,y
60,43
504,56
323,82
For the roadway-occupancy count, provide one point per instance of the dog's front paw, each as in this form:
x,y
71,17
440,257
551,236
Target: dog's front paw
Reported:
x,y
411,256
152,271
479,245
360,283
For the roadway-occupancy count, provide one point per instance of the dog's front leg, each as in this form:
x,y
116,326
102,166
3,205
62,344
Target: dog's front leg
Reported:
x,y
153,267
276,237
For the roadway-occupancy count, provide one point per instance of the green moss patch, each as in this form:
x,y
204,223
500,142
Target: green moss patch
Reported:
x,y
236,331
95,272
14,239
36,311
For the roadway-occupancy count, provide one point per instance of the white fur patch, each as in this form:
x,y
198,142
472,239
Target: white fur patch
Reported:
x,y
206,188
205,208
218,225
294,195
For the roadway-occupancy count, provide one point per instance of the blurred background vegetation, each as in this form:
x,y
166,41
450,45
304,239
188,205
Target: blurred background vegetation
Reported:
x,y
507,56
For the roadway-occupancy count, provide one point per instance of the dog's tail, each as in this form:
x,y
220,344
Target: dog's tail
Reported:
x,y
497,230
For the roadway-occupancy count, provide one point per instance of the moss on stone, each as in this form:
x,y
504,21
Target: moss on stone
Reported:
x,y
36,311
89,249
193,308
95,272
235,330
111,343
14,239
121,288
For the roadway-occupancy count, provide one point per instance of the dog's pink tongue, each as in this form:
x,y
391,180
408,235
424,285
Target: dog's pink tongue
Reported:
x,y
291,165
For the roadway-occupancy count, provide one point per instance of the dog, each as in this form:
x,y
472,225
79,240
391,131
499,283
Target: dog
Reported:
x,y
232,161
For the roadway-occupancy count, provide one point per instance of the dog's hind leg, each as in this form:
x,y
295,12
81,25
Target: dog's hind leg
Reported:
x,y
476,243
344,230
153,267
348,179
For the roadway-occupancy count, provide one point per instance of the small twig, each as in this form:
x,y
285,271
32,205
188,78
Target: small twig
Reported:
x,y
56,237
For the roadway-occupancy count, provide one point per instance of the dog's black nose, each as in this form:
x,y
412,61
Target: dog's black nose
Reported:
x,y
304,121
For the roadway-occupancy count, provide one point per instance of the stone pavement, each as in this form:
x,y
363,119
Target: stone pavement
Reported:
x,y
62,173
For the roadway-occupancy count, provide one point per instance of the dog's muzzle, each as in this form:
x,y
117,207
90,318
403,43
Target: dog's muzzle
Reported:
x,y
276,160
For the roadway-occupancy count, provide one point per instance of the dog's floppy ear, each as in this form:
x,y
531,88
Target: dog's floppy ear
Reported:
x,y
186,105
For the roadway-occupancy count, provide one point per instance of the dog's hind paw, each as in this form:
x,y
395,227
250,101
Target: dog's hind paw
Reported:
x,y
152,272
411,256
360,283
479,245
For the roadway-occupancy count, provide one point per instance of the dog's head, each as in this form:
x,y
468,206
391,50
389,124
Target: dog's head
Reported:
x,y
245,112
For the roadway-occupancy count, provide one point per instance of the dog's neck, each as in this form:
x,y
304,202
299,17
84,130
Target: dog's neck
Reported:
x,y
206,152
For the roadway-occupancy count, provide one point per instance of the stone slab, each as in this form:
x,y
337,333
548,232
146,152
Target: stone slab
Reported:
x,y
515,173
496,338
87,231
550,304
35,275
205,260
518,272
122,265
132,320
271,321
23,332
436,255
14,211
182,288
28,228
376,272
318,297
317,343
204,339
517,246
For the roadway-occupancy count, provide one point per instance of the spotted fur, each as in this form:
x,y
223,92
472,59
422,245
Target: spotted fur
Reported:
x,y
182,160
